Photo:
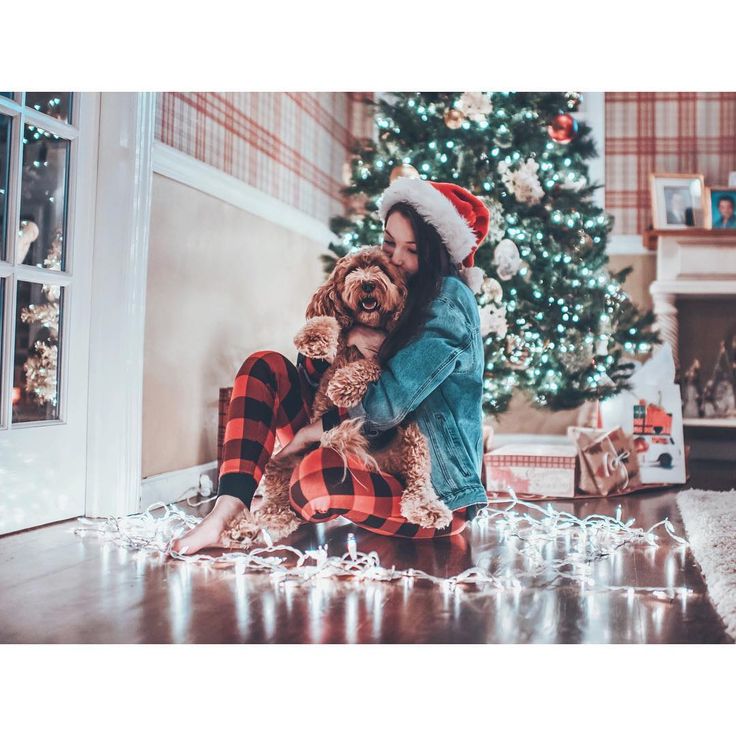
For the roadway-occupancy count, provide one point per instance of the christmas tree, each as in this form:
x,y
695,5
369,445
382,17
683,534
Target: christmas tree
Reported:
x,y
568,326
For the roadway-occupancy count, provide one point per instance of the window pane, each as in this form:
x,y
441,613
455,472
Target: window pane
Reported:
x,y
56,104
7,94
37,352
5,123
43,200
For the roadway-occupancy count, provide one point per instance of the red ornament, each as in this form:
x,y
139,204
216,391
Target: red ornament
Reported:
x,y
563,128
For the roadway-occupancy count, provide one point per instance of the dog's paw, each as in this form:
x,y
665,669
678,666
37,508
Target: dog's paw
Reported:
x,y
242,531
430,513
348,384
278,521
319,338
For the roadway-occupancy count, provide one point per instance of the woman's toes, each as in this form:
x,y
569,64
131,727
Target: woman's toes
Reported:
x,y
205,534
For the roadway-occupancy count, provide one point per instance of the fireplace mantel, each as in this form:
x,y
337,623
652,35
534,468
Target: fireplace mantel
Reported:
x,y
692,264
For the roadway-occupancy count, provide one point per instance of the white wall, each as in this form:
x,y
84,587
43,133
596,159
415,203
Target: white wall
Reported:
x,y
222,283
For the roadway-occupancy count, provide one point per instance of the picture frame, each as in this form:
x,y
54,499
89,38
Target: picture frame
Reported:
x,y
678,201
720,214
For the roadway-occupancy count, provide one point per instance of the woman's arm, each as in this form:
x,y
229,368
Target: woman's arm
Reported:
x,y
418,368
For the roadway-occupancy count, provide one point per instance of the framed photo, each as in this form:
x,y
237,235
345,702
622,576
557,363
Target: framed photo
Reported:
x,y
721,204
678,201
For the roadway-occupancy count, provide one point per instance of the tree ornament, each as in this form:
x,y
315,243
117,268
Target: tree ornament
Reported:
x,y
492,289
475,105
574,183
563,128
503,138
473,277
506,259
497,222
493,320
573,100
523,183
454,118
406,170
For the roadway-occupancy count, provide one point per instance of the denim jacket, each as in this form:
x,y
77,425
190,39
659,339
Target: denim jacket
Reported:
x,y
437,381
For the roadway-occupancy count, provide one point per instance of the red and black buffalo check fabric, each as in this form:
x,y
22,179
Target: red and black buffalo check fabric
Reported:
x,y
270,400
321,489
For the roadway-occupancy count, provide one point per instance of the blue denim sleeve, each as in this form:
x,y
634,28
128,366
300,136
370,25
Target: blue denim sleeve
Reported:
x,y
417,369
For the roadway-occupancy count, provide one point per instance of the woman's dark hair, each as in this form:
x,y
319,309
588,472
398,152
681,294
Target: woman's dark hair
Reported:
x,y
424,286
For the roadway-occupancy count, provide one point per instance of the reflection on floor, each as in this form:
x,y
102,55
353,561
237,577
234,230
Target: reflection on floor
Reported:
x,y
56,587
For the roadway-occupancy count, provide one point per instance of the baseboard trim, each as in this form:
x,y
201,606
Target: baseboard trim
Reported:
x,y
178,166
173,486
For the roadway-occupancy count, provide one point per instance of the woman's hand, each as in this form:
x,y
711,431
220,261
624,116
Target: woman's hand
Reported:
x,y
367,339
308,435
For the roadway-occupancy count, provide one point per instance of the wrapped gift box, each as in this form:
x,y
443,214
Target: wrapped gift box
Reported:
x,y
608,460
533,470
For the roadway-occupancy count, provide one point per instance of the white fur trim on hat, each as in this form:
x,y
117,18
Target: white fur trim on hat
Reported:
x,y
436,209
473,277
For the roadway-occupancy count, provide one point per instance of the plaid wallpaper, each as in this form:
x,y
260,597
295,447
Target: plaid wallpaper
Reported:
x,y
668,132
291,145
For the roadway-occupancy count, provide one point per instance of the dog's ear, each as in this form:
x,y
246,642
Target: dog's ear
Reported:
x,y
396,316
322,303
326,301
399,281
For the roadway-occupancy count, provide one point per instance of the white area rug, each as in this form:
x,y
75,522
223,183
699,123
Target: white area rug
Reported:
x,y
710,522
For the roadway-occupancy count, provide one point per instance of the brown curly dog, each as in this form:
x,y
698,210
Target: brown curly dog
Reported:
x,y
364,288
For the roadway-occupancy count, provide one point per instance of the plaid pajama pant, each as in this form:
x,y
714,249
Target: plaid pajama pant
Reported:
x,y
271,399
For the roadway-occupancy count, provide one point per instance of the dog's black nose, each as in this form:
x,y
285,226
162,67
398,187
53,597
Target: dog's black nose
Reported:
x,y
368,286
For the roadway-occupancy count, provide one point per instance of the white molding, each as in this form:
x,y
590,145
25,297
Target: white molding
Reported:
x,y
627,245
178,166
173,486
701,288
122,219
593,111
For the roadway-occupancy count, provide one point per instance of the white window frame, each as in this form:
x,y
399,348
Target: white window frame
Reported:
x,y
12,273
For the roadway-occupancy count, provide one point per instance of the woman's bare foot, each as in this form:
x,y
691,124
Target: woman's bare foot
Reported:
x,y
209,531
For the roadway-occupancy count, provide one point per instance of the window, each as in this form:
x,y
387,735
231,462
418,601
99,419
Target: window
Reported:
x,y
38,138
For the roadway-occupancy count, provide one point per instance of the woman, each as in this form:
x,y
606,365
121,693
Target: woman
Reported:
x,y
432,368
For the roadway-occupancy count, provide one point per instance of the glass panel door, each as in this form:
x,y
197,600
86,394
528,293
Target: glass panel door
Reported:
x,y
47,171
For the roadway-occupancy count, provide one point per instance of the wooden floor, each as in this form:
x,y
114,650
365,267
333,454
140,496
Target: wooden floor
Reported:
x,y
57,587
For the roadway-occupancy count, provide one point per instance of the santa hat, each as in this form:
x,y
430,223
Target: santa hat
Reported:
x,y
460,218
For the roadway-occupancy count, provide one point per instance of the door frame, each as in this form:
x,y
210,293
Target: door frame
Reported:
x,y
118,304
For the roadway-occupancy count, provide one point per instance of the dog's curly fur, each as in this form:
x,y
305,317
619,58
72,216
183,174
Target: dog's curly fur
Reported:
x,y
364,288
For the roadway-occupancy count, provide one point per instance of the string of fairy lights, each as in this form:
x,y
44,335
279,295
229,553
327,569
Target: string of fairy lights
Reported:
x,y
555,548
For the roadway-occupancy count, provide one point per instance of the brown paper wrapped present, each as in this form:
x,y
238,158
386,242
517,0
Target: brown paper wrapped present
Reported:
x,y
608,460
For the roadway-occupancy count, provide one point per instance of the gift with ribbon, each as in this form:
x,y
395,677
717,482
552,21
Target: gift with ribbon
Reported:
x,y
608,460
